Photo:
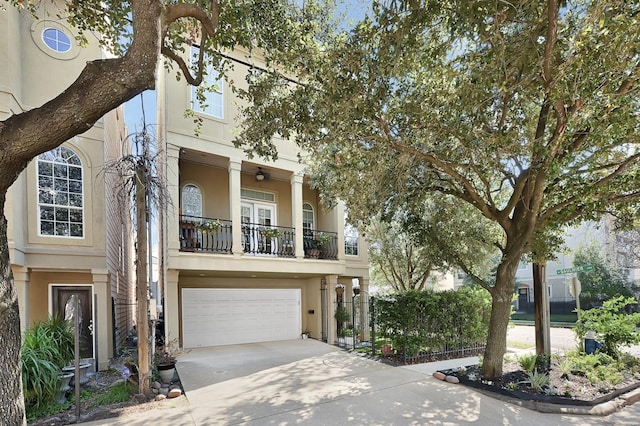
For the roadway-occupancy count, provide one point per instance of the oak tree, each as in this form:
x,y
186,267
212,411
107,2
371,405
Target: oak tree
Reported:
x,y
526,111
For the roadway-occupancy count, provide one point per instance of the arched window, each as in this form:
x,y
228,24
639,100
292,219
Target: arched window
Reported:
x,y
60,194
308,224
191,201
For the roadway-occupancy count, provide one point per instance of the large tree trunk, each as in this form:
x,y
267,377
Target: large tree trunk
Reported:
x,y
11,397
502,298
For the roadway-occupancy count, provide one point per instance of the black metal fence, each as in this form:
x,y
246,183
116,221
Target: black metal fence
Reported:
x,y
359,331
353,323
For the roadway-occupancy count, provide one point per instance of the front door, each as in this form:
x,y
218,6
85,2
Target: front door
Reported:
x,y
63,302
523,297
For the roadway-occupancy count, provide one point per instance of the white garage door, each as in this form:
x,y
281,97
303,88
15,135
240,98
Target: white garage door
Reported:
x,y
218,316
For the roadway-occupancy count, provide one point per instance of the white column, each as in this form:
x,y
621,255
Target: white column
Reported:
x,y
173,186
339,212
364,308
235,206
332,336
102,330
171,308
296,213
21,277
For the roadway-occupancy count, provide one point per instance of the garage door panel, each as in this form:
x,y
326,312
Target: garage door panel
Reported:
x,y
212,317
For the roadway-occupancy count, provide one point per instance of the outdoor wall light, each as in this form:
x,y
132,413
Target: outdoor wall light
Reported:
x,y
260,175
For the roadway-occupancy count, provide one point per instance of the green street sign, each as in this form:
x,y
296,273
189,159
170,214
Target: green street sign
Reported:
x,y
575,269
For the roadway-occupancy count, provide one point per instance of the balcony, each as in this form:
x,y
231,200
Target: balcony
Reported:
x,y
211,235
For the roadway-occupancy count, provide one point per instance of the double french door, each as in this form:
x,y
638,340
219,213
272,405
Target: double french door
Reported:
x,y
255,218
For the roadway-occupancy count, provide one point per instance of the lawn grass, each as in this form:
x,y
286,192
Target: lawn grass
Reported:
x,y
555,319
518,345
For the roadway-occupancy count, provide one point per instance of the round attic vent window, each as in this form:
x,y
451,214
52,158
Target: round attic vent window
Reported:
x,y
56,40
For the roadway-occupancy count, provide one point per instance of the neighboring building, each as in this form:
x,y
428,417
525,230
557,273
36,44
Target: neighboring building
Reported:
x,y
68,234
239,260
558,283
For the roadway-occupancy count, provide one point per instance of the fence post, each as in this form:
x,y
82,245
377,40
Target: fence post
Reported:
x,y
353,319
372,322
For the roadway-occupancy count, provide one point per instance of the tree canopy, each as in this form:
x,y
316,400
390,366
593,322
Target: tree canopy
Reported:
x,y
604,281
526,111
408,245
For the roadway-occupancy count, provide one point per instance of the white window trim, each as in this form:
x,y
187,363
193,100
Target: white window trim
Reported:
x,y
313,213
82,209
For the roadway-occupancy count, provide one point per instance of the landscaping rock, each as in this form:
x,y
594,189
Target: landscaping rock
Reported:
x,y
452,379
164,391
439,375
156,385
174,393
160,397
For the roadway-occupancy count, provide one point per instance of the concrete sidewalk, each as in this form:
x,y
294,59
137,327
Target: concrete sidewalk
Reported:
x,y
309,382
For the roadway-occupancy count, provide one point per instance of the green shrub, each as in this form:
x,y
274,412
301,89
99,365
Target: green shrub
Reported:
x,y
537,381
613,327
581,365
417,321
342,315
39,378
527,362
47,347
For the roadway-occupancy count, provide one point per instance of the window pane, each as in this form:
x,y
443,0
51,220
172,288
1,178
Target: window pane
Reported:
x,y
46,182
45,197
62,229
62,199
45,169
46,228
61,185
75,200
46,213
75,173
60,170
76,230
62,215
75,186
75,216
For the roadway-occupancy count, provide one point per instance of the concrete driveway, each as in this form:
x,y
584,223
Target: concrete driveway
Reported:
x,y
309,382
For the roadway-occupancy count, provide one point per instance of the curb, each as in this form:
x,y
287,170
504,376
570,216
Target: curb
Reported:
x,y
602,409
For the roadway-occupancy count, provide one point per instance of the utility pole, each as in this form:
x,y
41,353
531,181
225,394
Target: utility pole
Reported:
x,y
142,320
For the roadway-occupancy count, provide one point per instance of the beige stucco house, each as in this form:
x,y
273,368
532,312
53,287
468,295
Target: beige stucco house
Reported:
x,y
247,251
68,233
237,258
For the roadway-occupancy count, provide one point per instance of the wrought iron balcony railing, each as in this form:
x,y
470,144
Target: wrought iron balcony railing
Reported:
x,y
268,240
320,244
210,235
205,234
